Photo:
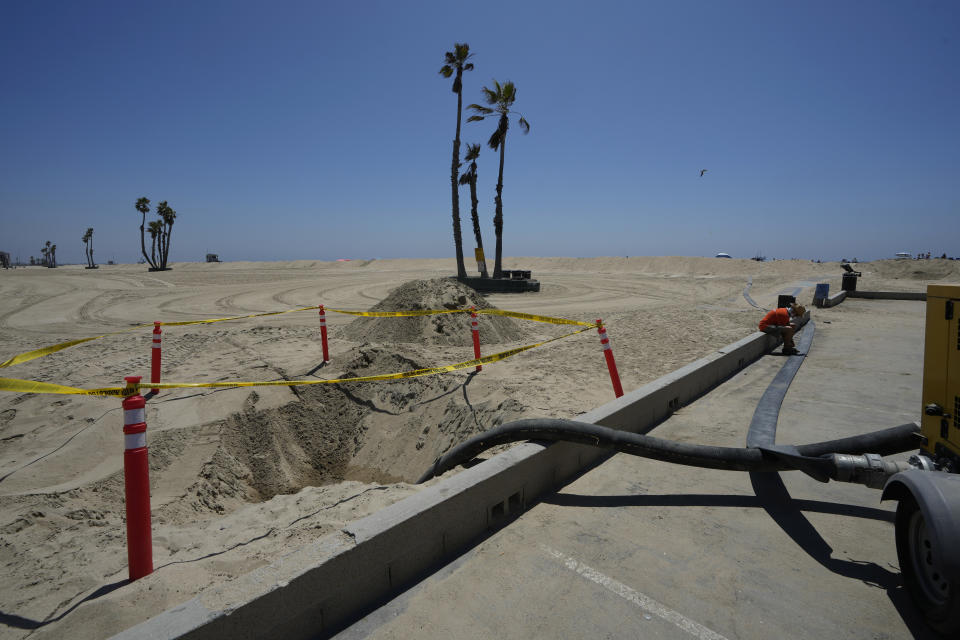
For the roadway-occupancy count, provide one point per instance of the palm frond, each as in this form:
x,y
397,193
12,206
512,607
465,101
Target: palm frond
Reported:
x,y
475,118
468,66
480,109
491,96
446,71
508,92
524,124
495,139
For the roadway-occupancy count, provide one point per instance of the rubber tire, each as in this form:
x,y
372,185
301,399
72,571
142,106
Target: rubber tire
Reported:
x,y
940,603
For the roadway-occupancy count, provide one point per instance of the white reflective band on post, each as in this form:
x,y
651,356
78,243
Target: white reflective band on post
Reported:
x,y
606,346
135,440
155,345
133,416
323,322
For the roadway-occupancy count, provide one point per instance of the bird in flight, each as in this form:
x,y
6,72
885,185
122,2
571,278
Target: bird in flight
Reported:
x,y
702,171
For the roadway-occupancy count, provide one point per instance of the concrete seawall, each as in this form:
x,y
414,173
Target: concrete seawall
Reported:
x,y
887,295
318,588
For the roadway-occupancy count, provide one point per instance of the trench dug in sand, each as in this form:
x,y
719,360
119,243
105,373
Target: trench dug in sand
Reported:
x,y
378,432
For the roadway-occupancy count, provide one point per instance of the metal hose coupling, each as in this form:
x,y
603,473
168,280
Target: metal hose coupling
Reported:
x,y
868,469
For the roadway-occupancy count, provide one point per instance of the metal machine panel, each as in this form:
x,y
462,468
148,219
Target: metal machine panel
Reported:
x,y
941,372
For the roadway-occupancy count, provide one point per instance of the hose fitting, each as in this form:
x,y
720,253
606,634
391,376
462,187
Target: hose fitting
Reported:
x,y
868,469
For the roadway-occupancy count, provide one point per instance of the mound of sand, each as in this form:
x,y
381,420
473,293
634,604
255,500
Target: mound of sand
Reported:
x,y
935,269
452,329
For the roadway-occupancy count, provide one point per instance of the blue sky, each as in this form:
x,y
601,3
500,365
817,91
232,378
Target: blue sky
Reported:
x,y
321,130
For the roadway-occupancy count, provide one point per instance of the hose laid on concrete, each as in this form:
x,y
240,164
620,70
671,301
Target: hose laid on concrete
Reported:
x,y
884,442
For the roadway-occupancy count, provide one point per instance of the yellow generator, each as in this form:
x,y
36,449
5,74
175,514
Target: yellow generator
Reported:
x,y
941,377
928,512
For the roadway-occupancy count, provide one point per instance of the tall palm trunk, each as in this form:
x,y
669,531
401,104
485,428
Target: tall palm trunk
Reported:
x,y
160,244
454,169
498,216
166,245
143,245
91,251
475,216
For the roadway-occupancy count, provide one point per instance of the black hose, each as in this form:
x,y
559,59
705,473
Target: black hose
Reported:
x,y
884,442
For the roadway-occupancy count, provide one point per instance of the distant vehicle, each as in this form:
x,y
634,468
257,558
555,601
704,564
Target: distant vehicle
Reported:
x,y
212,257
903,254
723,255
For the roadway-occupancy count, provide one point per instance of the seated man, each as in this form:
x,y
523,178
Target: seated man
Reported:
x,y
781,321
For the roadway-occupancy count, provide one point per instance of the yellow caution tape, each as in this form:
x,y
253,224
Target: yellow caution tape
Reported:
x,y
45,351
535,318
29,386
489,312
396,314
211,320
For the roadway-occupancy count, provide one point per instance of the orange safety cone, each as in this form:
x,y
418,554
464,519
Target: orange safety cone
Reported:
x,y
136,480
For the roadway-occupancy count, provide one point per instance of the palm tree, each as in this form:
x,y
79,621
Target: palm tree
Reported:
x,y
53,255
167,216
143,206
86,247
470,177
501,99
456,64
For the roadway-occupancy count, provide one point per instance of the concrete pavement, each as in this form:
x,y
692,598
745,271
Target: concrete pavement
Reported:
x,y
640,548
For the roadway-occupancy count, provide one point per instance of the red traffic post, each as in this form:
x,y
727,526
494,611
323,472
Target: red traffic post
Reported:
x,y
608,354
155,360
323,334
136,479
475,327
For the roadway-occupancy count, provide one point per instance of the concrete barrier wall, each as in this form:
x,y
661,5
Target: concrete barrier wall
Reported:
x,y
835,299
888,295
321,587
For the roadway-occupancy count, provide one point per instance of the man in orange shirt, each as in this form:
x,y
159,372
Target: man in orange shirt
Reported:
x,y
782,321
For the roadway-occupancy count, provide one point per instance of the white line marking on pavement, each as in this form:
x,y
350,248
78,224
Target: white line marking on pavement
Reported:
x,y
631,595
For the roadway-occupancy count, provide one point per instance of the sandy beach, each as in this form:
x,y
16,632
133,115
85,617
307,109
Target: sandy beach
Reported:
x,y
242,475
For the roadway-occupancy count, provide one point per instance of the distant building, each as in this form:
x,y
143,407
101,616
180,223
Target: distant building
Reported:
x,y
723,255
212,257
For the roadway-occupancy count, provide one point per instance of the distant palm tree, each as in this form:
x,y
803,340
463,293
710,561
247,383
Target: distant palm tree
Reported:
x,y
143,206
154,228
456,64
470,177
167,216
86,247
53,255
501,98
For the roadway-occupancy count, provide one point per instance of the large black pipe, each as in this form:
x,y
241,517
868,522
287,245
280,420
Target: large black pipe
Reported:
x,y
884,442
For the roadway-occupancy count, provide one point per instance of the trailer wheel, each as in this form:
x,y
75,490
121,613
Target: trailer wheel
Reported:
x,y
935,592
